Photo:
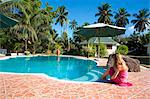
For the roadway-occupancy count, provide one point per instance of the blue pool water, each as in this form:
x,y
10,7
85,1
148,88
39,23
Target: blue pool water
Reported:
x,y
67,68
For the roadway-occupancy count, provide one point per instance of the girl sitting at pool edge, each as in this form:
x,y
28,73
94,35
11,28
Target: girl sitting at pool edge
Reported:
x,y
119,72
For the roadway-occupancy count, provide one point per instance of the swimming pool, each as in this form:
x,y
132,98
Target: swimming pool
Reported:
x,y
66,68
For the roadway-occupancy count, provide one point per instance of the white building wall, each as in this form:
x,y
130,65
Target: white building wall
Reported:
x,y
113,50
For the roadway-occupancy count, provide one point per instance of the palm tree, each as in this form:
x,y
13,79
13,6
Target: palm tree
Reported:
x,y
3,38
73,25
52,39
76,37
41,20
34,21
61,15
23,5
141,20
61,18
121,17
65,41
24,25
104,13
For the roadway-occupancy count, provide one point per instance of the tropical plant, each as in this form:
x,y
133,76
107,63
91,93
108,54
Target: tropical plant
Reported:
x,y
7,39
3,38
34,21
18,47
11,5
77,38
72,43
65,41
73,25
103,50
61,16
52,40
24,26
121,17
136,42
122,49
104,13
145,38
142,20
89,50
58,46
36,47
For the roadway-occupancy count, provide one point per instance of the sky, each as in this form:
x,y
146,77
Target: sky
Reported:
x,y
84,10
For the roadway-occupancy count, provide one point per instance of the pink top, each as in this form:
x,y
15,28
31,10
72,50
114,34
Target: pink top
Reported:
x,y
121,78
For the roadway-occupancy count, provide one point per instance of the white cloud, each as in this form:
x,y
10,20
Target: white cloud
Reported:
x,y
129,30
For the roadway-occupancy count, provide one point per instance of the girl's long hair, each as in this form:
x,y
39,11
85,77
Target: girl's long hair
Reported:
x,y
120,63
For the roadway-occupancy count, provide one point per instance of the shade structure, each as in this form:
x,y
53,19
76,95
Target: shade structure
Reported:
x,y
6,22
101,30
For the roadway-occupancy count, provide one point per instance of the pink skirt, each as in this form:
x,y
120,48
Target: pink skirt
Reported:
x,y
121,79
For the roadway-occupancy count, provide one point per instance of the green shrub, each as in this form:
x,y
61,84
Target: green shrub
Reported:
x,y
103,50
122,49
82,52
72,52
89,51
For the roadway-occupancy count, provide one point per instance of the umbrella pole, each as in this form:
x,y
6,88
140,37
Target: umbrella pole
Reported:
x,y
87,48
98,47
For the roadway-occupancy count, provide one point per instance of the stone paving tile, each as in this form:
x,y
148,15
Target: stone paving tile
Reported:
x,y
14,86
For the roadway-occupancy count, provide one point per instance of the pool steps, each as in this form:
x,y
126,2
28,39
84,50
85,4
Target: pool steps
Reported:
x,y
93,75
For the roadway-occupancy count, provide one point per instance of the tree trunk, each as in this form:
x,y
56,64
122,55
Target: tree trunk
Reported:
x,y
26,45
88,47
68,49
34,49
99,47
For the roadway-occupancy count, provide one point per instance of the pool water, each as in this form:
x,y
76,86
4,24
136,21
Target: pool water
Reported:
x,y
67,68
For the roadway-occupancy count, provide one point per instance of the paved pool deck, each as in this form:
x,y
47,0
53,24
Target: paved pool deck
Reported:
x,y
21,86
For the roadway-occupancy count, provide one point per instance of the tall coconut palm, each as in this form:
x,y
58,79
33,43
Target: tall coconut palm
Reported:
x,y
104,13
73,25
142,20
61,16
121,17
